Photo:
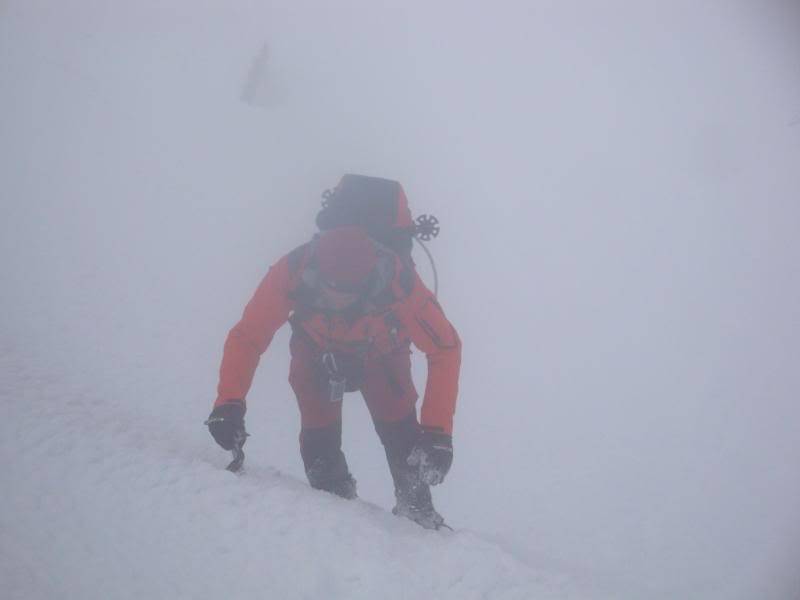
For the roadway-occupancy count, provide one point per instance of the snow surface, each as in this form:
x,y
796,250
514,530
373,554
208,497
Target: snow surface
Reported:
x,y
618,186
103,503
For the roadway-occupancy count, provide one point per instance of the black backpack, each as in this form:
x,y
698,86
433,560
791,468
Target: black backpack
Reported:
x,y
379,206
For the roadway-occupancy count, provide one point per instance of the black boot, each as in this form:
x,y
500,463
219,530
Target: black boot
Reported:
x,y
412,494
324,461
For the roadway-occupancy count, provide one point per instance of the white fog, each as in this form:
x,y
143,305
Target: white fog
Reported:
x,y
618,186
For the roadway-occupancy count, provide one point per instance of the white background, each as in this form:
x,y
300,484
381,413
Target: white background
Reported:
x,y
618,189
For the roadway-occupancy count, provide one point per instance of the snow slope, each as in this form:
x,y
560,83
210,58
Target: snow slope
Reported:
x,y
100,502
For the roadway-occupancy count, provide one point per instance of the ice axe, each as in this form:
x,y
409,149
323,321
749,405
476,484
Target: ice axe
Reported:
x,y
239,438
237,452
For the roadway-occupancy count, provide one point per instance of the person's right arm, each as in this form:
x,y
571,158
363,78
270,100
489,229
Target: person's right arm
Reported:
x,y
266,312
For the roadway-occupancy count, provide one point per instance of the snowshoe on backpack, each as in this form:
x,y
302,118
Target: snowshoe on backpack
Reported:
x,y
380,207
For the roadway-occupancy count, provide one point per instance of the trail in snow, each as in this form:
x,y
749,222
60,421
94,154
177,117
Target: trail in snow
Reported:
x,y
103,502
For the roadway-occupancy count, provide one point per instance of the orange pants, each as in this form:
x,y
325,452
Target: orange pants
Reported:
x,y
386,385
389,392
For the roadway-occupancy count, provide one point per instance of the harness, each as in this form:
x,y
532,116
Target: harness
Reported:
x,y
368,331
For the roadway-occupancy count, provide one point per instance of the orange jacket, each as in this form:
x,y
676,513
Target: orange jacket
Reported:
x,y
411,314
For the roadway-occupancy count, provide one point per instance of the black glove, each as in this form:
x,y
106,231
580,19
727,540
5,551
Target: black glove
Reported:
x,y
433,455
226,425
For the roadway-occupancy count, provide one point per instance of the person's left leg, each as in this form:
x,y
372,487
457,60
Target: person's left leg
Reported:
x,y
389,392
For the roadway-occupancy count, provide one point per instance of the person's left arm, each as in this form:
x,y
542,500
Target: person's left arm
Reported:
x,y
431,332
